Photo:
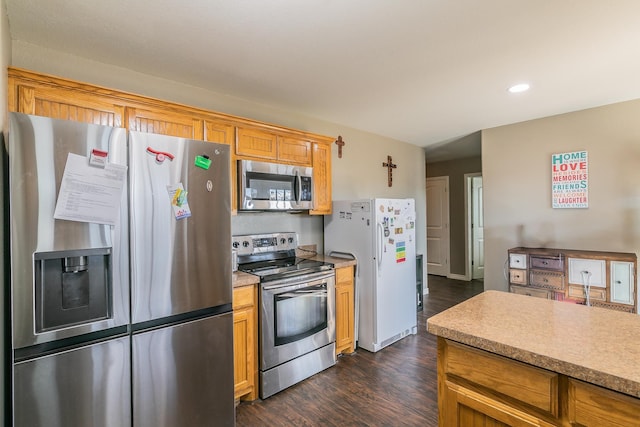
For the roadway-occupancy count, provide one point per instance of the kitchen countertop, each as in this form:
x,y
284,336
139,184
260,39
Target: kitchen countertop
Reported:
x,y
245,279
596,345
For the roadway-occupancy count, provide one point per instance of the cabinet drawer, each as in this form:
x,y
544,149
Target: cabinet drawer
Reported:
x,y
518,260
530,385
576,291
546,279
591,405
547,262
532,292
518,276
243,296
595,269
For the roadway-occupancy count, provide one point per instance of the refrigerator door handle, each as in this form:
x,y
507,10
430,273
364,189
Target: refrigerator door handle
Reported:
x,y
379,236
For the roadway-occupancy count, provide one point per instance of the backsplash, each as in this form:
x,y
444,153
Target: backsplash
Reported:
x,y
310,228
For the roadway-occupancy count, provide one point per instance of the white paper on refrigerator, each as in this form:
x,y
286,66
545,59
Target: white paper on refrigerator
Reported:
x,y
90,194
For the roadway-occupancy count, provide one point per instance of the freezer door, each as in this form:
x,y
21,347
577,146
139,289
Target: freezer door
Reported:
x,y
183,374
351,228
88,386
180,225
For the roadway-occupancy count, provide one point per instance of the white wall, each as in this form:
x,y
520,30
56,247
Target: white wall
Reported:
x,y
516,166
358,174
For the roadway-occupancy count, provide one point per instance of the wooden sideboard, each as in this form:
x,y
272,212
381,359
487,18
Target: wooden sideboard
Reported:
x,y
59,98
561,274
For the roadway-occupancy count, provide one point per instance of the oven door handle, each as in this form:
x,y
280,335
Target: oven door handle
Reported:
x,y
298,282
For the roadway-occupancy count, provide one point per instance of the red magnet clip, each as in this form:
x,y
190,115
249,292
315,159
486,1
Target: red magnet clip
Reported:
x,y
160,155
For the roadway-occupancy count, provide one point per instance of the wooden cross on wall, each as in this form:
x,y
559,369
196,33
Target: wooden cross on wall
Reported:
x,y
390,167
340,143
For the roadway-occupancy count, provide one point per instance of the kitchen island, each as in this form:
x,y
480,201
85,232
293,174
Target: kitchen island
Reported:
x,y
508,359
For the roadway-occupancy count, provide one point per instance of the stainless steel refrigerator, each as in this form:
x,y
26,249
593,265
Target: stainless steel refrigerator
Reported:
x,y
111,327
182,323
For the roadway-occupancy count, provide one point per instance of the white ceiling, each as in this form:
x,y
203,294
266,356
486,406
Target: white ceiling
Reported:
x,y
420,71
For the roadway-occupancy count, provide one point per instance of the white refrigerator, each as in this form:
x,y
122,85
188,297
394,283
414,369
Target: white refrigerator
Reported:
x,y
380,233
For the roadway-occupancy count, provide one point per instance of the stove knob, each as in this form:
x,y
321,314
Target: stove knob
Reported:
x,y
283,241
245,244
290,239
236,245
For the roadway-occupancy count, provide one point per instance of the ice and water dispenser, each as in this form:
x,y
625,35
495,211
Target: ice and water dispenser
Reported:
x,y
72,287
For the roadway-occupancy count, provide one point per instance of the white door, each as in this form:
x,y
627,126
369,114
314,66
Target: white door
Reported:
x,y
438,225
477,228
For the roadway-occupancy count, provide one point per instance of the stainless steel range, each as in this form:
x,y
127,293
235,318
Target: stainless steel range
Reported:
x,y
297,309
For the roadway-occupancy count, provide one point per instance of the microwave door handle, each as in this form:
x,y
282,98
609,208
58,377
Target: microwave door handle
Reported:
x,y
297,187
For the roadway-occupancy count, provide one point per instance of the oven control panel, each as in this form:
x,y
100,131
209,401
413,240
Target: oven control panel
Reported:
x,y
250,244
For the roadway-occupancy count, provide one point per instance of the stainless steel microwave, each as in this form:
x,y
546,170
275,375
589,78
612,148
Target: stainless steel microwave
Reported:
x,y
266,186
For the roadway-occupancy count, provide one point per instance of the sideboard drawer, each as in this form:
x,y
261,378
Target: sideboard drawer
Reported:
x,y
576,291
547,262
547,279
518,276
531,292
518,260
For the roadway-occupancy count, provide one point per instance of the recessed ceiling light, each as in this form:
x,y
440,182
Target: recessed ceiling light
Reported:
x,y
522,87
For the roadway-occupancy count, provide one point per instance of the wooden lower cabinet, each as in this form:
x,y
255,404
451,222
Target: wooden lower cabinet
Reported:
x,y
478,388
345,308
245,344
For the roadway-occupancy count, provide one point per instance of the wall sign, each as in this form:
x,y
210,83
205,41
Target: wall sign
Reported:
x,y
570,180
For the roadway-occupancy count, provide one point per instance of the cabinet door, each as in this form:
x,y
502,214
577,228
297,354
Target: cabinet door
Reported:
x,y
67,104
294,151
257,144
592,271
165,122
622,280
322,178
344,310
245,349
590,405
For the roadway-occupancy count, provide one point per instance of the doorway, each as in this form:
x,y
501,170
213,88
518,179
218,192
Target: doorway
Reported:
x,y
474,228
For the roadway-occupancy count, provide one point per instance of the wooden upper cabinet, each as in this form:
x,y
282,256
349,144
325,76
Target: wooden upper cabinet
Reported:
x,y
59,98
165,122
257,144
65,104
321,178
223,133
219,131
294,151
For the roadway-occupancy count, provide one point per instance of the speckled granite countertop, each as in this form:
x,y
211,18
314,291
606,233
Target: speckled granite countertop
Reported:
x,y
596,345
245,279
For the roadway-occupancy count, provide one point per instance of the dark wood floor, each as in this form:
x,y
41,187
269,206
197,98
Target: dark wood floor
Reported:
x,y
394,387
